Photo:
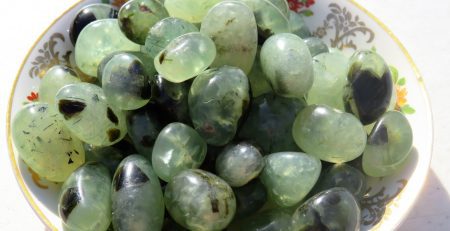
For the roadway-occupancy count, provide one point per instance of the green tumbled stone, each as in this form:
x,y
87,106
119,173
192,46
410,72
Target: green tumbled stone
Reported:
x,y
282,5
218,98
232,27
289,176
257,78
238,164
192,11
97,40
329,134
163,32
271,220
344,176
249,198
109,156
137,198
298,25
185,57
287,63
45,144
199,200
316,46
177,148
85,200
54,79
388,146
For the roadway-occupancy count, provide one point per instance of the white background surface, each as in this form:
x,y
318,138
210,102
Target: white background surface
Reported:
x,y
422,26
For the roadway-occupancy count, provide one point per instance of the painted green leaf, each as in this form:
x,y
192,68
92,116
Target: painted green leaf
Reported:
x,y
408,109
307,13
394,71
401,82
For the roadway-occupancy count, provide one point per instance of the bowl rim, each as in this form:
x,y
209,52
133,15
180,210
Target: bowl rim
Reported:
x,y
47,222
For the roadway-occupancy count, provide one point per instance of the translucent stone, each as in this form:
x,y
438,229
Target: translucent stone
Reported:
x,y
329,134
177,148
287,63
345,176
269,123
88,116
249,198
369,91
257,78
388,146
185,57
54,79
199,200
137,198
109,156
136,17
96,41
163,32
125,82
85,201
289,176
282,5
335,209
238,164
232,27
298,25
218,99
192,11
330,78
316,46
44,143
270,220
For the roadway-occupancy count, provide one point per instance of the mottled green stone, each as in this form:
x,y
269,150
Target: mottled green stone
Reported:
x,y
316,46
232,27
345,176
289,176
298,25
388,146
177,148
136,17
137,198
96,41
270,220
44,143
109,156
85,200
329,134
257,78
287,63
54,79
185,57
218,98
192,11
199,200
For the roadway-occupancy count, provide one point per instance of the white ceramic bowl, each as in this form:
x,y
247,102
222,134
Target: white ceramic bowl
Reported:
x,y
341,23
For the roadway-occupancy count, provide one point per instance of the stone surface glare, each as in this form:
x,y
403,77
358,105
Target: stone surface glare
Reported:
x,y
54,79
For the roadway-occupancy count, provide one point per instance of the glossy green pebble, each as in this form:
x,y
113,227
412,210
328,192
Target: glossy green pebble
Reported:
x,y
185,57
269,122
232,27
85,200
199,200
96,41
345,176
287,63
136,17
109,156
330,78
87,114
137,198
177,148
44,143
192,11
334,209
298,25
316,46
218,99
289,176
388,146
125,82
270,220
257,78
282,5
369,91
329,134
249,198
163,32
238,164
54,79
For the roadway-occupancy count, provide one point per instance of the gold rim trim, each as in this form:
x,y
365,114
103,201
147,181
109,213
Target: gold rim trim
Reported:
x,y
47,222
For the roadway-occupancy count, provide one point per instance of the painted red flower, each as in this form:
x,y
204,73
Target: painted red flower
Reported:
x,y
298,5
34,96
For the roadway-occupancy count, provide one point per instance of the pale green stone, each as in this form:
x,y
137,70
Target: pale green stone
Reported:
x,y
388,146
177,148
185,57
232,27
192,11
163,32
54,79
257,78
96,41
44,143
282,5
298,25
316,46
330,78
287,63
329,134
269,220
345,176
289,176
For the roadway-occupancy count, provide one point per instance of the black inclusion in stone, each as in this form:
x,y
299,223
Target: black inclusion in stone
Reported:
x,y
69,201
379,135
372,95
111,116
113,134
129,175
70,108
317,224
